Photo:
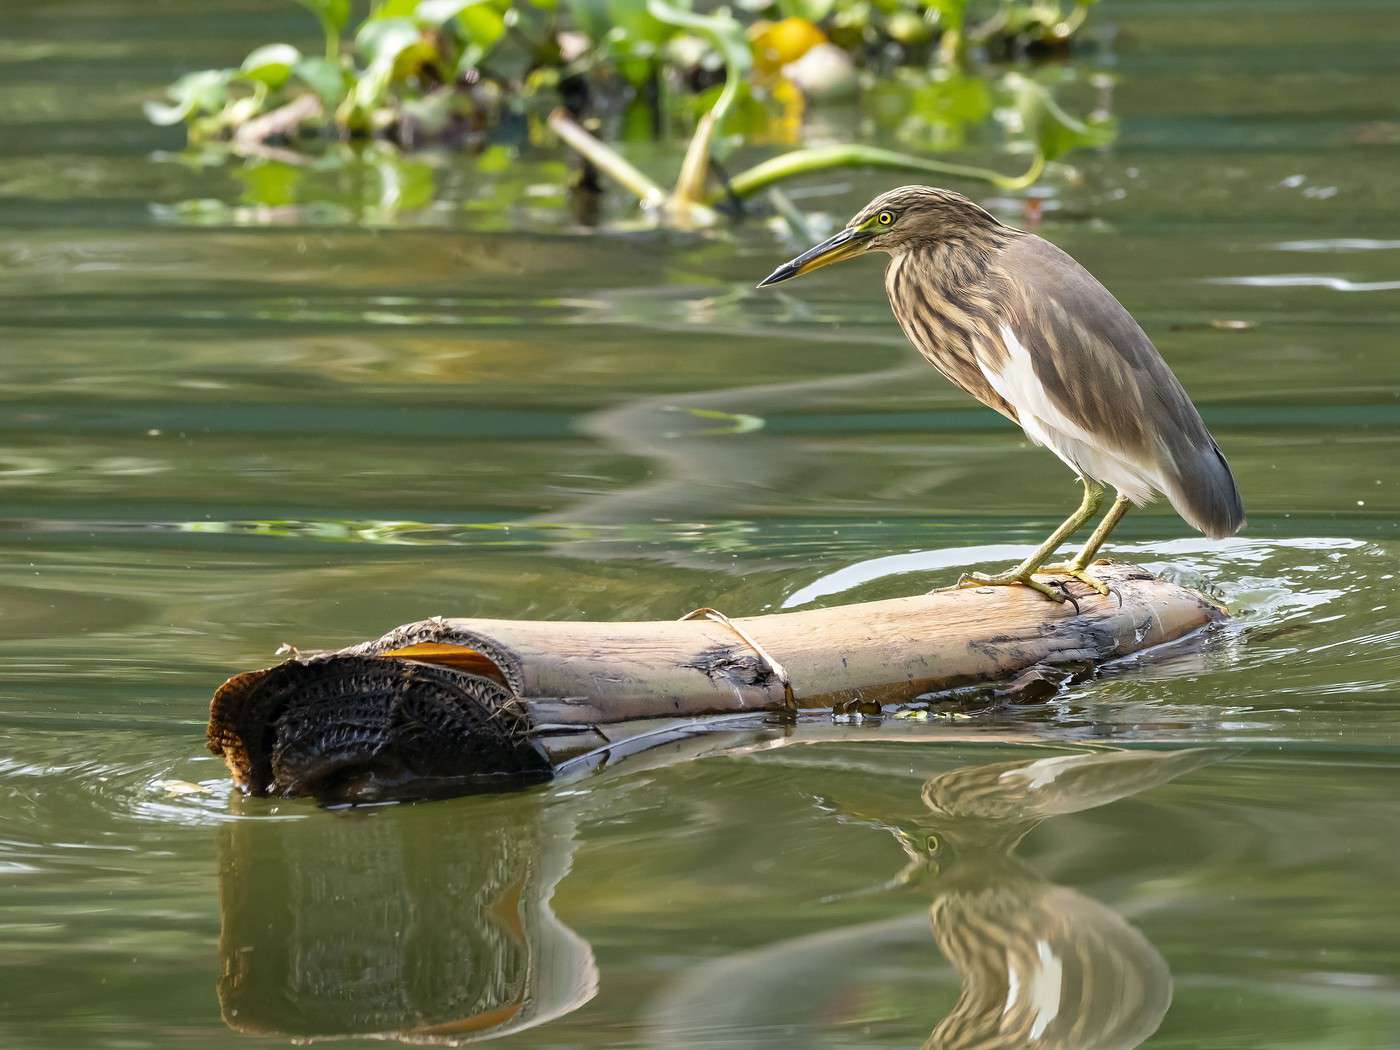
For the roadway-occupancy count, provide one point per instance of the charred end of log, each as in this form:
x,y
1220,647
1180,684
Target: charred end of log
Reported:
x,y
347,728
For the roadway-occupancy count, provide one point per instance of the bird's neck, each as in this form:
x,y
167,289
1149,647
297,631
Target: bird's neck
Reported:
x,y
953,264
938,290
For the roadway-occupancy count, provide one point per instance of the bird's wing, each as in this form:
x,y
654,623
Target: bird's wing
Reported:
x,y
1098,377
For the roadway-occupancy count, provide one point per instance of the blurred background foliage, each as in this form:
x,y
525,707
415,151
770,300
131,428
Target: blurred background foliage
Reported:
x,y
927,76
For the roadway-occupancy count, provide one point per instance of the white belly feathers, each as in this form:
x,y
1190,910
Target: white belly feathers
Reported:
x,y
1087,454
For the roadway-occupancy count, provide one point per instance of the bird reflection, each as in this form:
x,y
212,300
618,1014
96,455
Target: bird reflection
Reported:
x,y
427,924
1040,965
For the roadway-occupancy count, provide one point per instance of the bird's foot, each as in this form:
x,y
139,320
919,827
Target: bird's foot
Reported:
x,y
1076,571
1013,579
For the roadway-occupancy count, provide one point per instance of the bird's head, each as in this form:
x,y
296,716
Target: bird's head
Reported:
x,y
894,222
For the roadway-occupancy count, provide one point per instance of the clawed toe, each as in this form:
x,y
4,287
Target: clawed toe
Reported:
x,y
1075,572
977,579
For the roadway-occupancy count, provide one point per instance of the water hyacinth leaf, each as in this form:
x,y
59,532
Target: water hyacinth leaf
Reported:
x,y
271,64
952,14
1053,131
333,16
482,25
325,78
381,42
635,24
808,10
952,98
591,18
334,13
203,92
436,12
907,28
395,9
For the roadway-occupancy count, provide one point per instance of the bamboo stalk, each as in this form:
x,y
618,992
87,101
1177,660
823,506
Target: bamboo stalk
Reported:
x,y
493,703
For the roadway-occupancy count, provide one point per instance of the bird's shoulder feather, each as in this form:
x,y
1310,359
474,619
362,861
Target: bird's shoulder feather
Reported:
x,y
1093,359
1097,367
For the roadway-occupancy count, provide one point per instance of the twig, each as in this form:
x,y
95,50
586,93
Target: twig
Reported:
x,y
281,121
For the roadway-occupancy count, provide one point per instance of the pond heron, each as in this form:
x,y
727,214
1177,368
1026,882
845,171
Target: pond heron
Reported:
x,y
1022,327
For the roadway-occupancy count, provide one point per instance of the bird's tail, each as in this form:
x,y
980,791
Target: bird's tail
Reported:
x,y
1203,491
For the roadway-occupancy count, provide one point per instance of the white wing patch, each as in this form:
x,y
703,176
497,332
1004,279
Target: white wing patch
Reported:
x,y
1085,453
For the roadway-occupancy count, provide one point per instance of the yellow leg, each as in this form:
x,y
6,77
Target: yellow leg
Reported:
x,y
1023,574
1078,566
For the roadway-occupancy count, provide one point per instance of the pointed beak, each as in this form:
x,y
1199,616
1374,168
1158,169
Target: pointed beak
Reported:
x,y
844,245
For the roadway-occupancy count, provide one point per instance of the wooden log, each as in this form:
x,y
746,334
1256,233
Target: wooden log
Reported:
x,y
452,704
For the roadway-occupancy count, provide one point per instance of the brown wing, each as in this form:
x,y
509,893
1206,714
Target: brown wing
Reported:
x,y
1098,367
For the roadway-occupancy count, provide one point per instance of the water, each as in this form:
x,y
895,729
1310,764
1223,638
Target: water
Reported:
x,y
230,424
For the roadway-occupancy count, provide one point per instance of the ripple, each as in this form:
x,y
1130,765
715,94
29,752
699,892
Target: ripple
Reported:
x,y
1307,280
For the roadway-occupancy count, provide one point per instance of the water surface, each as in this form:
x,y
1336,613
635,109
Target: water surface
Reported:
x,y
232,420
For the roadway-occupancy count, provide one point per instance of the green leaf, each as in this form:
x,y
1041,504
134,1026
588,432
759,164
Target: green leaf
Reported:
x,y
953,98
380,42
436,12
205,91
634,23
272,64
324,77
590,17
811,10
952,14
483,26
394,9
334,14
1053,131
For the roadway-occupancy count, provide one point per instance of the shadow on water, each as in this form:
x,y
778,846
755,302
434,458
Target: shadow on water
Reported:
x,y
454,938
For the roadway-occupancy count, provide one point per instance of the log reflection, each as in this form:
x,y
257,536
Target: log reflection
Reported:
x,y
398,923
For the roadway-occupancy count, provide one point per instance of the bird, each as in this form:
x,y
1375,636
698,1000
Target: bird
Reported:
x,y
1017,323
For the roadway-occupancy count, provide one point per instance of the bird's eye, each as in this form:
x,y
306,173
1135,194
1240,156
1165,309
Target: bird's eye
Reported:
x,y
885,218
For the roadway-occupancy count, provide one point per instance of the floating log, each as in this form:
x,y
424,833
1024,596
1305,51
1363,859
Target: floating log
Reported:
x,y
447,705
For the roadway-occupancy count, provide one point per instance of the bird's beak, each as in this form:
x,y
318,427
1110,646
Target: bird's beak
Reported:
x,y
849,242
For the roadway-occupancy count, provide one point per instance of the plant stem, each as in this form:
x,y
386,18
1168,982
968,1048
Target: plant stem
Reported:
x,y
606,159
824,158
1071,24
332,34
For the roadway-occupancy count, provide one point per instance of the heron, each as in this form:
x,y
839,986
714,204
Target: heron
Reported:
x,y
1014,321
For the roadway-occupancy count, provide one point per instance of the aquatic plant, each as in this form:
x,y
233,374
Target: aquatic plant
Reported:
x,y
420,72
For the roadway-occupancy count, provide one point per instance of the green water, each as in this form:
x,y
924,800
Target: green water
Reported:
x,y
239,412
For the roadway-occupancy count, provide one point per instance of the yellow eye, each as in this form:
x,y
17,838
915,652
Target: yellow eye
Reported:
x,y
885,218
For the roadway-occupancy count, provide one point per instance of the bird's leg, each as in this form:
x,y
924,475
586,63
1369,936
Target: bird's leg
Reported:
x,y
1078,566
1024,573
